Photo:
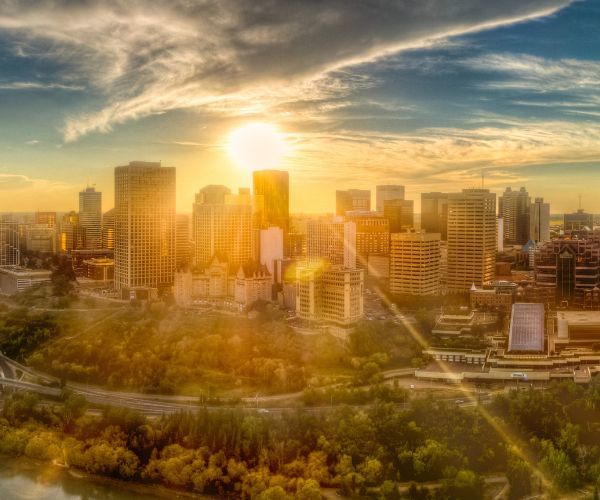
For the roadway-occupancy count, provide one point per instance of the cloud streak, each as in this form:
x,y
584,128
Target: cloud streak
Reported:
x,y
231,56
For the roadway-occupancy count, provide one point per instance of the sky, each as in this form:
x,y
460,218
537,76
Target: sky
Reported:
x,y
425,93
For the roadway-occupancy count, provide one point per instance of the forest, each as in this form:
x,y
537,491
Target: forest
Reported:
x,y
159,349
552,445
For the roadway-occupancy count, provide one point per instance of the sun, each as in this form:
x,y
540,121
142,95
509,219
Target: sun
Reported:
x,y
257,146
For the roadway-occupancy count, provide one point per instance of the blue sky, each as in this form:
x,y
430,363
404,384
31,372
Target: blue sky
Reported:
x,y
424,93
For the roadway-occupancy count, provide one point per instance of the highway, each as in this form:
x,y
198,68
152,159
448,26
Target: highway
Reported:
x,y
157,405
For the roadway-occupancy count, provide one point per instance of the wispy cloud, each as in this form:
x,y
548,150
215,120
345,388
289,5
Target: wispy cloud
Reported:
x,y
37,86
230,56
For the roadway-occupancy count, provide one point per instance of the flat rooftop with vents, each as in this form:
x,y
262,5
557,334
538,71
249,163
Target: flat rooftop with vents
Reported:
x,y
526,328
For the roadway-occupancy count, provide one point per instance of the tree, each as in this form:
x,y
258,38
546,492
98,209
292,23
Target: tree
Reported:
x,y
519,476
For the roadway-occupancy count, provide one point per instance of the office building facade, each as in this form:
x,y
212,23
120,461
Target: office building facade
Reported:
x,y
144,226
352,199
10,254
415,263
332,240
400,214
539,221
90,217
471,239
434,213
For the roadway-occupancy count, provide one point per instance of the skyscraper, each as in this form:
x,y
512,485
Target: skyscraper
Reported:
x,y
144,226
387,192
415,263
90,217
372,236
471,239
352,199
434,213
332,240
273,187
108,229
222,225
514,208
539,221
9,244
183,245
400,214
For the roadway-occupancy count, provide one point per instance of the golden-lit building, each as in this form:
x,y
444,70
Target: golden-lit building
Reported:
x,y
400,214
108,229
144,226
222,224
70,235
471,239
331,239
372,236
415,263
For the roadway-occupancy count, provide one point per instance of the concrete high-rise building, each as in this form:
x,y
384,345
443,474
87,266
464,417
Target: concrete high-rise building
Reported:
x,y
500,234
144,226
352,199
471,239
400,214
46,218
434,213
332,240
372,236
514,208
387,192
578,221
273,186
9,244
90,217
539,221
222,225
108,229
415,263
183,241
330,294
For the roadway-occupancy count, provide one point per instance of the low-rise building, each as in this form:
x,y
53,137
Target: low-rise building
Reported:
x,y
497,295
100,269
18,279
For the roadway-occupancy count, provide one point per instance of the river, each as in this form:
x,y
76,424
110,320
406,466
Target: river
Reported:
x,y
25,479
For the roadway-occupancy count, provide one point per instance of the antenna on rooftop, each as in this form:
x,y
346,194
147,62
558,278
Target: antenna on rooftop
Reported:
x,y
482,178
579,201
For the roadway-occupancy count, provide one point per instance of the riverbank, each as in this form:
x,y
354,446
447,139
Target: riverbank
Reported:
x,y
26,478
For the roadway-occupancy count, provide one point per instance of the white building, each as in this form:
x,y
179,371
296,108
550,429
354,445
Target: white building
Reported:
x,y
330,294
271,247
90,217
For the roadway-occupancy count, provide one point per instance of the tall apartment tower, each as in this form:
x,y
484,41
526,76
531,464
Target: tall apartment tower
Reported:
x,y
514,208
539,221
222,225
332,240
9,244
352,199
387,192
471,239
400,214
144,226
434,213
90,217
274,188
70,234
415,263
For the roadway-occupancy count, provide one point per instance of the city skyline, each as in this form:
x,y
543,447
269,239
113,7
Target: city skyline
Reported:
x,y
428,98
